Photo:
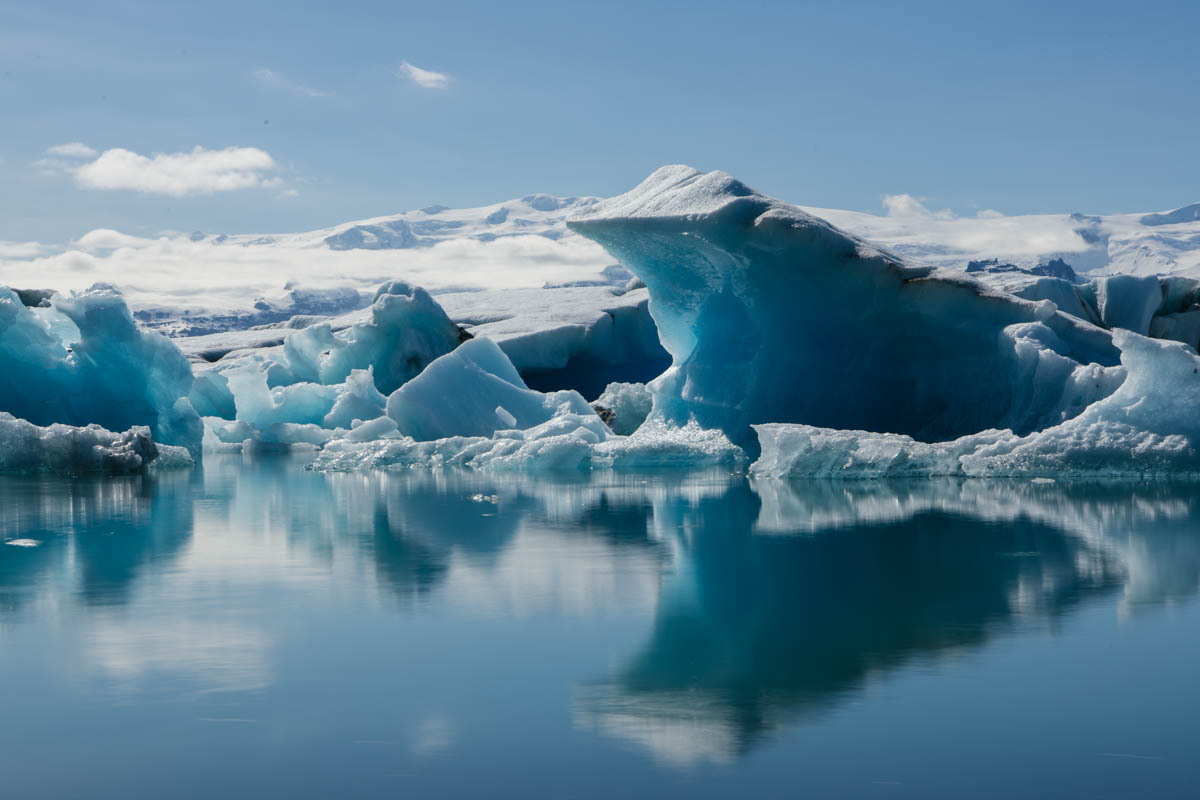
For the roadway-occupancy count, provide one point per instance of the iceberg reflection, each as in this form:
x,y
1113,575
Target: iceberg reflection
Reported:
x,y
92,536
786,599
759,604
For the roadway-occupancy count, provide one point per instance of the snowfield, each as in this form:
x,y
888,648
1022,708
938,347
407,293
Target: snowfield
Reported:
x,y
706,324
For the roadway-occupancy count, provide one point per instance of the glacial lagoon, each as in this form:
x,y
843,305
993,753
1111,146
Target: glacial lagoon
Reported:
x,y
252,628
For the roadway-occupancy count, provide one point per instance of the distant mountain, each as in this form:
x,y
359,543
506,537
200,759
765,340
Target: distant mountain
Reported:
x,y
536,214
1140,244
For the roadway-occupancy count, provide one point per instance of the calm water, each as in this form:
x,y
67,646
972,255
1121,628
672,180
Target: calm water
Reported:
x,y
257,630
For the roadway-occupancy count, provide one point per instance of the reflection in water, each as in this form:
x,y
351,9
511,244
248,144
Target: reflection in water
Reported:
x,y
96,535
771,602
786,598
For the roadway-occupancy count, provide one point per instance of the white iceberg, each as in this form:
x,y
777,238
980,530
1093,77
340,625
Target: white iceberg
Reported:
x,y
471,409
319,378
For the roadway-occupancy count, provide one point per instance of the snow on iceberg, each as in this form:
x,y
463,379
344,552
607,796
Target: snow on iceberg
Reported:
x,y
80,360
774,316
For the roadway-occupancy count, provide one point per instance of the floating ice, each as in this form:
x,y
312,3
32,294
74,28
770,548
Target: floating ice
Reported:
x,y
80,360
1147,426
471,409
325,379
475,391
71,450
772,315
624,406
580,338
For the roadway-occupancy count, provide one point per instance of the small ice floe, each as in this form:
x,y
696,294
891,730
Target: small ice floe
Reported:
x,y
486,498
23,543
1042,480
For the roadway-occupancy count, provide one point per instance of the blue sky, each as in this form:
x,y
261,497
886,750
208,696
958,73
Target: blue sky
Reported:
x,y
1040,107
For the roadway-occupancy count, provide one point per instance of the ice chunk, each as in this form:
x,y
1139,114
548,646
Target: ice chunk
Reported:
x,y
83,360
471,409
407,329
1147,426
624,406
402,331
578,338
458,395
325,378
1129,302
772,315
66,449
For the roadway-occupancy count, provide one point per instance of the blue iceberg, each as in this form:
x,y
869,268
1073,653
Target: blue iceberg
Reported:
x,y
321,383
826,356
80,360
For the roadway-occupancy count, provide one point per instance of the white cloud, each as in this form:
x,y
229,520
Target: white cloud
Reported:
x,y
21,249
904,206
108,239
199,171
71,150
277,80
425,78
941,238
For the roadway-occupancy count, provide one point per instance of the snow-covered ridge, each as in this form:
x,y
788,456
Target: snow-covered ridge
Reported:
x,y
1165,243
532,215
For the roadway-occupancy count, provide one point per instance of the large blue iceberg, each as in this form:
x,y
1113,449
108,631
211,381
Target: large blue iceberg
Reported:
x,y
830,357
80,360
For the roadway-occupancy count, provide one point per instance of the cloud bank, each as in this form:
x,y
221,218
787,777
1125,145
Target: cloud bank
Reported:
x,y
177,271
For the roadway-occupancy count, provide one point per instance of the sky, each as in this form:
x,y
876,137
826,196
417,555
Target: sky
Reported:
x,y
240,117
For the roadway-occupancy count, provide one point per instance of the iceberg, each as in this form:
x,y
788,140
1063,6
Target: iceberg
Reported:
x,y
825,356
774,316
624,406
475,391
81,360
323,379
572,337
471,409
1147,426
74,450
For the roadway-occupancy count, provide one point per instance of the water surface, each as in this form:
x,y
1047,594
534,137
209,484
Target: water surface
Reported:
x,y
254,629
